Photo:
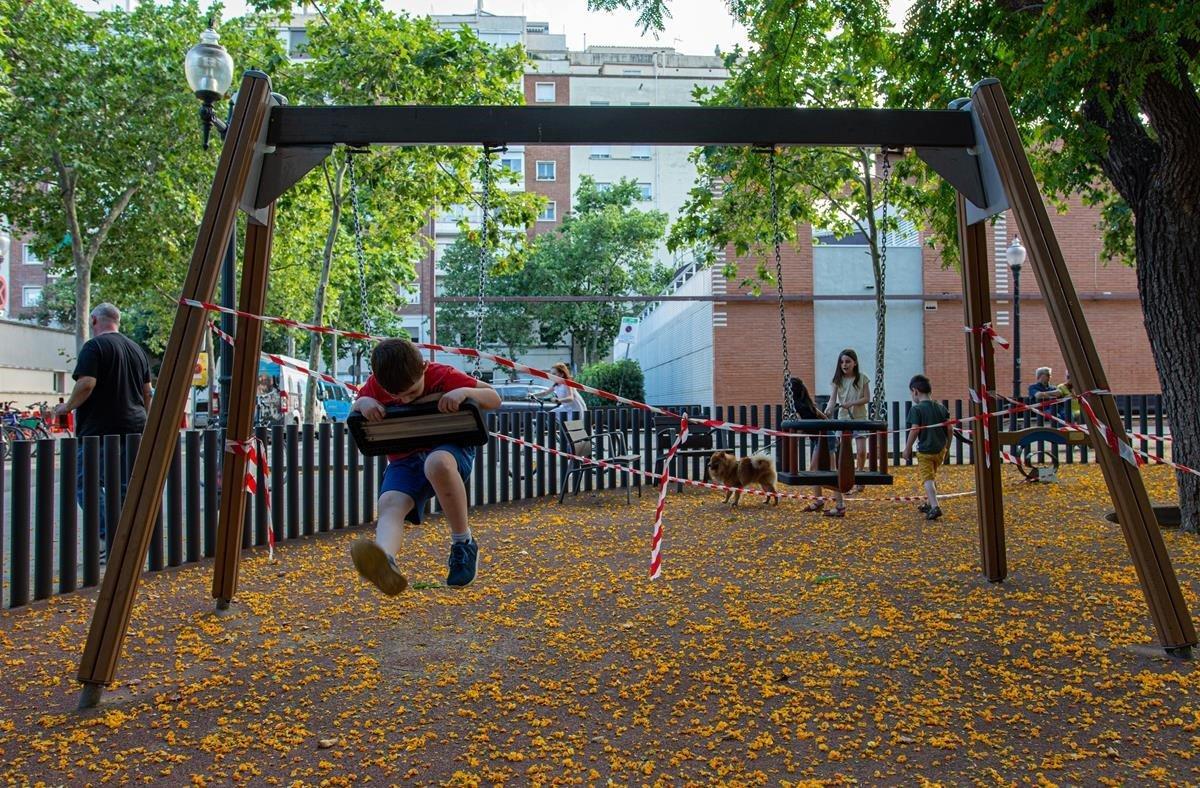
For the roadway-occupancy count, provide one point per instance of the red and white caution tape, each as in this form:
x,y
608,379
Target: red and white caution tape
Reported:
x,y
647,475
255,453
280,360
509,364
986,333
656,541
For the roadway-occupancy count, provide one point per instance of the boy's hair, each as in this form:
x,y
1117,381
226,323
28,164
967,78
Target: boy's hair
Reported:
x,y
396,364
921,384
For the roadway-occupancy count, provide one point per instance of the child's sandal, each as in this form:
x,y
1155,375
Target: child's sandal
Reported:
x,y
837,512
816,506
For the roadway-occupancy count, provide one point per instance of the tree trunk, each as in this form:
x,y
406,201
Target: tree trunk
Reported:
x,y
314,351
1168,274
83,303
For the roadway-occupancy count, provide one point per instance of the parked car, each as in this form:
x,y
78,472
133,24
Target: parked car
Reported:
x,y
519,396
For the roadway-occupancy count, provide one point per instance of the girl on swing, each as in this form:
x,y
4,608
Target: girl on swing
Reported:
x,y
849,400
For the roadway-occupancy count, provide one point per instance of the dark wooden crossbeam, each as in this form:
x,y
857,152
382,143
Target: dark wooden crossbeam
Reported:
x,y
425,125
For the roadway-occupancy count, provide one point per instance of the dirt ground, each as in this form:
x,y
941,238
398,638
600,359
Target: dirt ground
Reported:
x,y
778,647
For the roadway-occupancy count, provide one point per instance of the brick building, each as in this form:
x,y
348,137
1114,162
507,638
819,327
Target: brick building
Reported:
x,y
22,276
730,352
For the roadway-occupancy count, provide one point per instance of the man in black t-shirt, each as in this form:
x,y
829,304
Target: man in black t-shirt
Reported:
x,y
112,391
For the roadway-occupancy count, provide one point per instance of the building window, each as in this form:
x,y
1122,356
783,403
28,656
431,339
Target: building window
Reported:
x,y
646,192
547,170
514,161
31,257
543,92
601,152
640,152
549,213
31,296
413,293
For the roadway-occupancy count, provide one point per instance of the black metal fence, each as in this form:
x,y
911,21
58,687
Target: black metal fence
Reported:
x,y
50,533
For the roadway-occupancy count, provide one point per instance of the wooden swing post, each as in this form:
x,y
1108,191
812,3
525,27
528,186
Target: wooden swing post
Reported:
x,y
1168,610
144,499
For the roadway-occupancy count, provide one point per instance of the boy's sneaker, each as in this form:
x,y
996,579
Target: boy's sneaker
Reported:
x,y
464,557
923,508
934,513
377,566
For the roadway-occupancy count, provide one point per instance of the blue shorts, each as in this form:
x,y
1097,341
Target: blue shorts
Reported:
x,y
407,475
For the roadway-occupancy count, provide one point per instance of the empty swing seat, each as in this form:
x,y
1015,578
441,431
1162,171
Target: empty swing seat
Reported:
x,y
407,427
830,466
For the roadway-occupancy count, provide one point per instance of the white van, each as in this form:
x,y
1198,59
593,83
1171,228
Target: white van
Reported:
x,y
333,402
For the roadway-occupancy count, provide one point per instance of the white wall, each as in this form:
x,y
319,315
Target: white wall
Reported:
x,y
675,347
35,362
846,270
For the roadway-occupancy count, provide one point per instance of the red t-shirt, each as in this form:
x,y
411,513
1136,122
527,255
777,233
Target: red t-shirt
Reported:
x,y
439,378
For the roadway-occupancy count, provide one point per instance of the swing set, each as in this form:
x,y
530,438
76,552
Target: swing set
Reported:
x,y
974,145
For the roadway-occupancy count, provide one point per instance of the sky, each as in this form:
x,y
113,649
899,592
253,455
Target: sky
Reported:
x,y
696,27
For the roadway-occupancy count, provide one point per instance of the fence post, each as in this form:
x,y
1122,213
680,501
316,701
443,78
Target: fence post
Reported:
x,y
281,502
193,493
22,468
370,475
68,520
91,510
290,454
113,474
324,471
175,506
308,520
213,455
339,475
354,483
43,545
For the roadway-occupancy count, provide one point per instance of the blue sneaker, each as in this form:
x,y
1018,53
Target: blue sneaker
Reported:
x,y
464,557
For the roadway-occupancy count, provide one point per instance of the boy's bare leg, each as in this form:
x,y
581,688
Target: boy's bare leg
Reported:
x,y
441,470
375,560
389,529
931,494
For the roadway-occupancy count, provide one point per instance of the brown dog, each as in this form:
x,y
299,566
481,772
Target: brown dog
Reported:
x,y
732,472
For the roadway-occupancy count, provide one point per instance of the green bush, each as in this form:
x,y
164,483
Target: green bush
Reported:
x,y
623,378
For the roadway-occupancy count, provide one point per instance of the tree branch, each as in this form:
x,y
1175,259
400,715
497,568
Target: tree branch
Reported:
x,y
1132,159
109,220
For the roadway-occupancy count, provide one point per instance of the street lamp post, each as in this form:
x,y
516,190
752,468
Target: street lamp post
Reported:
x,y
209,71
1016,258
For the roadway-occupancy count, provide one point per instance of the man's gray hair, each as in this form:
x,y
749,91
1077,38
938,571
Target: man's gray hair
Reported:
x,y
1042,371
107,313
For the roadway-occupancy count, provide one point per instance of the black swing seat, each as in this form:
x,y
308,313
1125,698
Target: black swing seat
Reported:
x,y
831,467
407,427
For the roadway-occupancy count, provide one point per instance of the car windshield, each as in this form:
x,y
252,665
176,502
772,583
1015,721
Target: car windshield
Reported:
x,y
514,392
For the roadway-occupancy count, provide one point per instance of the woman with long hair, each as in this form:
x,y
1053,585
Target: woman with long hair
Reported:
x,y
569,400
849,399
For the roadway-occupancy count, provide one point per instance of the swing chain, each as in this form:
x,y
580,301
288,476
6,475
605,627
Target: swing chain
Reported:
x,y
359,253
789,403
879,407
485,206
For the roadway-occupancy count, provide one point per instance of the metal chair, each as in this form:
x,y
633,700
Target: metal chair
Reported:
x,y
578,440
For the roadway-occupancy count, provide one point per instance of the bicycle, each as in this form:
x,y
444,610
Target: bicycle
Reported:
x,y
18,426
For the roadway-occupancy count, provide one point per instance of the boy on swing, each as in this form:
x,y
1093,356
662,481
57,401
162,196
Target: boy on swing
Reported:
x,y
399,375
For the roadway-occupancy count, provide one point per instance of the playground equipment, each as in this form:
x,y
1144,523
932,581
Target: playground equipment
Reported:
x,y
974,145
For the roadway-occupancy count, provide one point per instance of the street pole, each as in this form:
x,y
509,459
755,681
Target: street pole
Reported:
x,y
1016,332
